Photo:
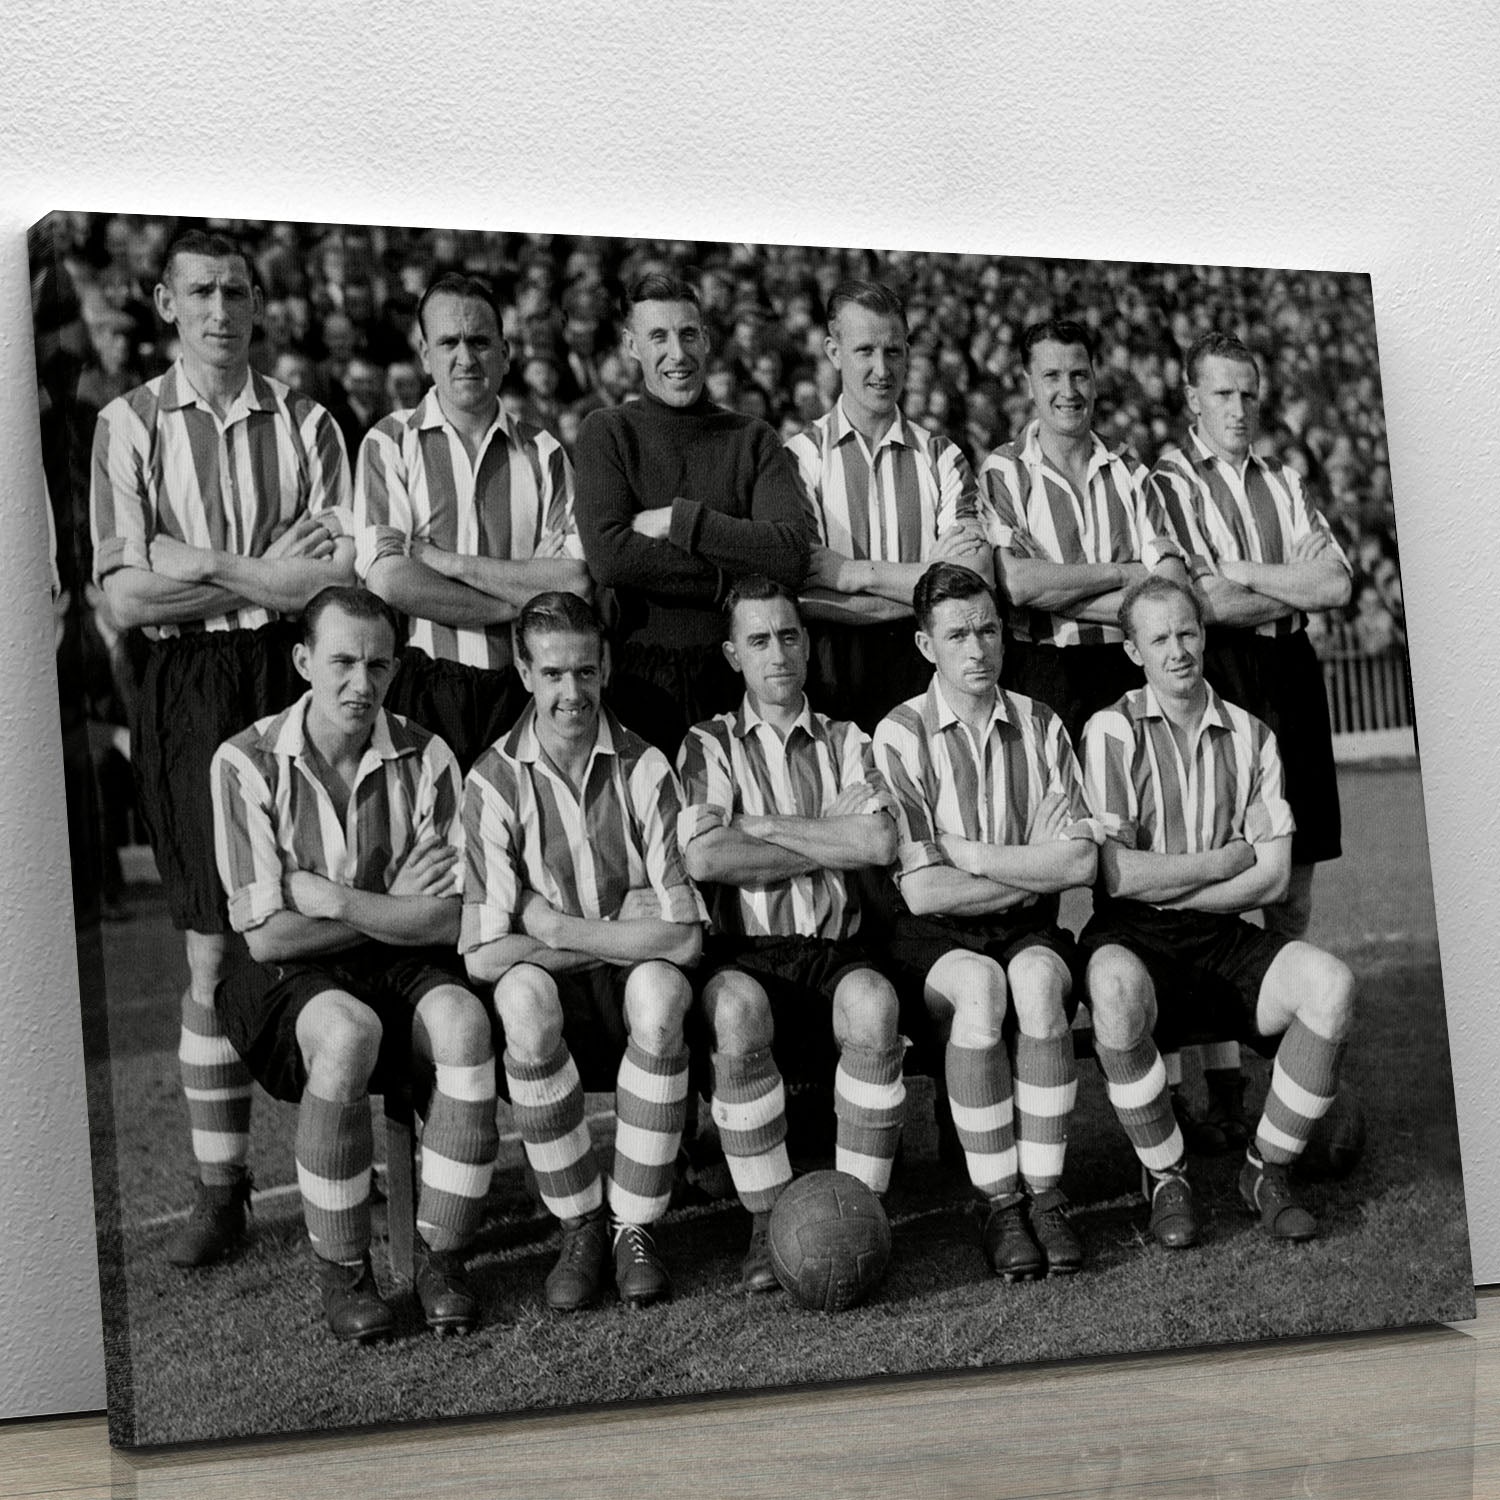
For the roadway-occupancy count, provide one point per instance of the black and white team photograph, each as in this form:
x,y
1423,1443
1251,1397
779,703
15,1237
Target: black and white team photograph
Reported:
x,y
653,817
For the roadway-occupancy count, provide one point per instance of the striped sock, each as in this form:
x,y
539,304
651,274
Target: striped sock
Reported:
x,y
983,1115
216,1084
335,1149
750,1110
459,1142
547,1101
650,1106
1046,1086
1303,1082
869,1098
1137,1086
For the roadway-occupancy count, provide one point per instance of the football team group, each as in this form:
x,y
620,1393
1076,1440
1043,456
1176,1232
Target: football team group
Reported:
x,y
707,764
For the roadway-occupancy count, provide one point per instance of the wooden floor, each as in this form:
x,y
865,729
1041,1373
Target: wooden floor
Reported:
x,y
1410,1414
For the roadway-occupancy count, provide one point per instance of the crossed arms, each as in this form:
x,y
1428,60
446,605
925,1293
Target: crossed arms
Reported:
x,y
1236,878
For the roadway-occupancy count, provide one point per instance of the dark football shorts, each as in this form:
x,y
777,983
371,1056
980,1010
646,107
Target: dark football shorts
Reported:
x,y
1073,681
468,708
909,949
259,1004
1207,969
196,692
1279,679
860,673
799,976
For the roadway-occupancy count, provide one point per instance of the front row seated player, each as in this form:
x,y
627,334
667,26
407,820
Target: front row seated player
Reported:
x,y
992,825
334,830
578,910
1189,789
781,803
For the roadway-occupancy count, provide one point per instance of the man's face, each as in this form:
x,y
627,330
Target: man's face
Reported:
x,y
463,350
1166,642
1226,403
403,385
768,647
1061,381
565,678
869,351
668,341
210,301
348,666
964,644
362,383
296,371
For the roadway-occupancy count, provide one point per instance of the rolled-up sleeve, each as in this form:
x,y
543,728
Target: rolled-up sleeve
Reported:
x,y
245,846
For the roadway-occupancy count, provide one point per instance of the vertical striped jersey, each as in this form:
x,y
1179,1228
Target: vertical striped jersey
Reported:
x,y
526,830
1032,509
890,505
1149,796
738,764
414,479
1256,513
273,815
986,788
163,462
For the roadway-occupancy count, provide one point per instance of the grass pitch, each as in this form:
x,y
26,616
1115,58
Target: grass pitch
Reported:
x,y
241,1348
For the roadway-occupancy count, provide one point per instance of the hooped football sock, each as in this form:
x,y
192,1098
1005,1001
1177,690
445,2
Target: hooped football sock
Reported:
x,y
749,1108
217,1086
335,1149
1046,1087
1304,1080
459,1142
869,1099
650,1106
547,1103
1136,1081
979,1094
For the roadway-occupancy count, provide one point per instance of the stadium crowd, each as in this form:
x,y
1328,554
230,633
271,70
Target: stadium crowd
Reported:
x,y
339,324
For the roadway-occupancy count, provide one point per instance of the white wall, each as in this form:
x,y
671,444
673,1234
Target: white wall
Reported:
x,y
1164,131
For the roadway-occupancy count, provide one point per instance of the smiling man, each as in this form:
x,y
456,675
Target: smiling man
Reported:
x,y
216,504
677,498
992,827
1189,790
885,498
336,830
462,514
1074,523
782,805
579,912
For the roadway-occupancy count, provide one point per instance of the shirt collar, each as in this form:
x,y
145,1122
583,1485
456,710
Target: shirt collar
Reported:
x,y
749,718
177,392
523,743
897,435
1099,455
288,737
1214,715
940,714
430,414
1204,457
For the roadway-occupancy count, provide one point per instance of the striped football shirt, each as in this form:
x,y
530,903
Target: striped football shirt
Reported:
x,y
738,764
163,462
273,815
526,830
1148,796
890,505
414,479
1033,511
987,789
1256,513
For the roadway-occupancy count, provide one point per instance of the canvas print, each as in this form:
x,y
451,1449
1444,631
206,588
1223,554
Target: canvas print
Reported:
x,y
653,817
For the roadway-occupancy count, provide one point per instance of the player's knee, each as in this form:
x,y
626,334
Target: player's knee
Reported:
x,y
456,1025
1119,1001
866,1012
530,1013
974,987
738,1013
656,1002
1328,1004
341,1046
1038,990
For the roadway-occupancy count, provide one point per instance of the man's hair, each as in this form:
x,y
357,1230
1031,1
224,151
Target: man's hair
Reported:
x,y
357,603
210,243
941,582
754,588
459,284
555,613
1155,586
1214,343
661,286
1055,331
873,296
